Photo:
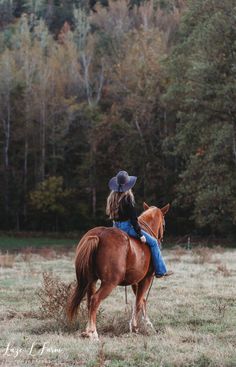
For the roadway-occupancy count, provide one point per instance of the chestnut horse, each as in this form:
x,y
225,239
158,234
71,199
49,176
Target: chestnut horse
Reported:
x,y
110,255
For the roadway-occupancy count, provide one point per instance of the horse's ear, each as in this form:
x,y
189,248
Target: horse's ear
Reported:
x,y
165,209
145,206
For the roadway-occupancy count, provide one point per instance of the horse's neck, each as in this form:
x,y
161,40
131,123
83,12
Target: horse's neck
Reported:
x,y
148,219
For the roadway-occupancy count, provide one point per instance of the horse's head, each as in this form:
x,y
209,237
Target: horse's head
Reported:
x,y
155,218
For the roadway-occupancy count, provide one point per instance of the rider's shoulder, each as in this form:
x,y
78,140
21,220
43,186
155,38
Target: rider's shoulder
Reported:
x,y
128,201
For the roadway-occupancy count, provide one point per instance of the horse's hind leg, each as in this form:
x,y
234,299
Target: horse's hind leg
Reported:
x,y
95,300
140,303
91,290
133,324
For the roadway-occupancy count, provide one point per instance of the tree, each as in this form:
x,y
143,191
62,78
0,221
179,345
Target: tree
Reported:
x,y
28,64
202,92
6,12
49,198
7,86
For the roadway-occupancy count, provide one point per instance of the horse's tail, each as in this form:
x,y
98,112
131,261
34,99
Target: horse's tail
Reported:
x,y
84,273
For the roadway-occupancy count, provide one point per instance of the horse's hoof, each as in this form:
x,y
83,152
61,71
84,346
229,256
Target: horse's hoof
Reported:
x,y
149,324
133,329
85,334
92,335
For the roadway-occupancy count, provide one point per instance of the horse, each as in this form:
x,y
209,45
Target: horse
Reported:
x,y
111,256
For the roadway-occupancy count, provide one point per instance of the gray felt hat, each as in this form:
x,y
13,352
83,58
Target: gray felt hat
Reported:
x,y
122,182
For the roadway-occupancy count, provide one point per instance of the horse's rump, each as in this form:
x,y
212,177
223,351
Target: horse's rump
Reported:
x,y
117,257
110,260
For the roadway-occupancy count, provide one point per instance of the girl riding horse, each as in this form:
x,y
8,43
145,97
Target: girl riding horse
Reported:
x,y
120,208
108,254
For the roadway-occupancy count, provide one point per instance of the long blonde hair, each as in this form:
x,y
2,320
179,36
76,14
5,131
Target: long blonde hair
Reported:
x,y
113,202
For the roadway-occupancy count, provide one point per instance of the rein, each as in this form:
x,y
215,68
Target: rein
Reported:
x,y
149,230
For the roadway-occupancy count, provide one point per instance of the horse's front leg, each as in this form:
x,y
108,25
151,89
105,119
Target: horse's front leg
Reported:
x,y
140,303
145,316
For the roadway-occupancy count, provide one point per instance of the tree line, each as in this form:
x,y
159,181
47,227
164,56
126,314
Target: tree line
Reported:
x,y
89,89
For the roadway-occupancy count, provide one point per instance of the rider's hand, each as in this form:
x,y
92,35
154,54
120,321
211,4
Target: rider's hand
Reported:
x,y
143,239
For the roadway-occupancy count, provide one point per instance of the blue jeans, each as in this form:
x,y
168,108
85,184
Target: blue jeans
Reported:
x,y
157,259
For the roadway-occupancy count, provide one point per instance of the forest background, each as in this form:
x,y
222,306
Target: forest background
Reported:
x,y
87,89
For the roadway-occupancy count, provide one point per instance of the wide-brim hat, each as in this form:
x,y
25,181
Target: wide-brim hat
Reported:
x,y
122,182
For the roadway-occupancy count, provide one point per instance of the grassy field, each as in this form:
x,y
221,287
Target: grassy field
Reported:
x,y
11,243
193,312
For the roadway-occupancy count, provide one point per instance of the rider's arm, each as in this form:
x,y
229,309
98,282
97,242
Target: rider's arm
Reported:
x,y
133,218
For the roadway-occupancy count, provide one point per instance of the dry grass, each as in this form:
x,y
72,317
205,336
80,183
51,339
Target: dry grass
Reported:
x,y
204,255
222,269
193,314
7,260
177,252
46,253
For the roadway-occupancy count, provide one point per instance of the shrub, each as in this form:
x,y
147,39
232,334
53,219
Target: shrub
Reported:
x,y
53,296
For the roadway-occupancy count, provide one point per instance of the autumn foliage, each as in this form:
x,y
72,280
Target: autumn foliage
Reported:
x,y
144,86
